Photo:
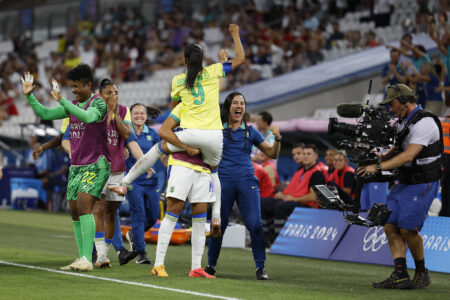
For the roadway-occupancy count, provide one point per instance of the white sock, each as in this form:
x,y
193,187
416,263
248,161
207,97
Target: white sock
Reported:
x,y
143,164
107,245
198,240
217,191
164,235
100,243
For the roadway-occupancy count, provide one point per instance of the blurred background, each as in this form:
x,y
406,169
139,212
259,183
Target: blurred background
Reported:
x,y
303,57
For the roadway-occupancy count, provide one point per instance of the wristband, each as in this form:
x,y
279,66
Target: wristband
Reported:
x,y
277,140
379,168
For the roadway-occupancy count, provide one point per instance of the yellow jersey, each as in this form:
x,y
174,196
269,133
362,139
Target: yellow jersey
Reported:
x,y
201,108
176,114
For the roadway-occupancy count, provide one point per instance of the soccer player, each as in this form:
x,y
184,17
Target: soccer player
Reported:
x,y
238,180
118,132
90,157
198,91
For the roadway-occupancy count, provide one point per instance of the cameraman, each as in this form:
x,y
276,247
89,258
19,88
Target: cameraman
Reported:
x,y
418,152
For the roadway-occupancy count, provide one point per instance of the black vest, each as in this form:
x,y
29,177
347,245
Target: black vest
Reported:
x,y
431,172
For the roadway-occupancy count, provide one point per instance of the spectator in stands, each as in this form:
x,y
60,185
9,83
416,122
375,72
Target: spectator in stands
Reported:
x,y
343,175
329,160
266,188
393,72
299,193
370,39
335,36
382,10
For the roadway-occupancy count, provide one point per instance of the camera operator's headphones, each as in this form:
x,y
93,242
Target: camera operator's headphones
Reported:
x,y
402,99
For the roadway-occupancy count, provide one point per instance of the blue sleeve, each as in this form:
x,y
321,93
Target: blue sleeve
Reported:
x,y
66,136
131,138
156,137
226,67
255,136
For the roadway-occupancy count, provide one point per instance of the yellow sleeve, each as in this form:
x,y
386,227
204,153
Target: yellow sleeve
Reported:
x,y
177,112
216,70
176,88
127,118
65,124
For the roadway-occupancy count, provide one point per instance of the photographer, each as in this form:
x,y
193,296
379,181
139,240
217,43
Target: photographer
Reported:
x,y
417,154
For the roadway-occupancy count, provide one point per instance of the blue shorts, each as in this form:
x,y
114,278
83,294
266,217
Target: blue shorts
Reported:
x,y
410,204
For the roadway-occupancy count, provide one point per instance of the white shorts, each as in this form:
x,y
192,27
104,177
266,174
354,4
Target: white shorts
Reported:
x,y
208,141
113,180
184,183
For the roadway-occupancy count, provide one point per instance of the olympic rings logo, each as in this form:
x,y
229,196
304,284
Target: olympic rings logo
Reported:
x,y
373,240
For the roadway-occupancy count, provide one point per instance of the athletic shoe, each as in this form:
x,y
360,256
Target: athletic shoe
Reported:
x,y
102,262
125,256
82,265
68,267
394,282
421,280
215,229
261,274
200,273
129,237
210,270
142,259
159,271
120,190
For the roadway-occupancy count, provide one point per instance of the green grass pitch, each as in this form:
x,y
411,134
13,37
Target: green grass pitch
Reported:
x,y
46,240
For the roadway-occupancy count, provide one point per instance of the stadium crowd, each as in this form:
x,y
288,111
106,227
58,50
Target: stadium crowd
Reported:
x,y
279,37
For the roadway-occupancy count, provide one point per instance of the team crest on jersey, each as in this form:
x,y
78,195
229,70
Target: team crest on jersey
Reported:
x,y
149,138
247,134
172,189
130,187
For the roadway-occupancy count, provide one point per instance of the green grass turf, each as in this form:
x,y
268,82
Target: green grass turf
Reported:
x,y
46,240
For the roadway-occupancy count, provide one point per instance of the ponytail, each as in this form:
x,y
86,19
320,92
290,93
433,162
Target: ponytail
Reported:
x,y
193,55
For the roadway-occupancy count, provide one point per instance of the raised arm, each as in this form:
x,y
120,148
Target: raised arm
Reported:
x,y
239,58
274,150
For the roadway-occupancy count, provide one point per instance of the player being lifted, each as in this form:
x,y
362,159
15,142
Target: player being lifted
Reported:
x,y
90,160
198,92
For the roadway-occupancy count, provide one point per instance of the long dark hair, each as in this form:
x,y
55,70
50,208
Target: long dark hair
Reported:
x,y
152,113
193,53
225,114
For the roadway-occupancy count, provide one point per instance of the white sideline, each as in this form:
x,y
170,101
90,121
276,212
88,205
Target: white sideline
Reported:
x,y
120,281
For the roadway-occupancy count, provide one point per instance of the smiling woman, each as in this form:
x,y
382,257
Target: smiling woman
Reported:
x,y
237,179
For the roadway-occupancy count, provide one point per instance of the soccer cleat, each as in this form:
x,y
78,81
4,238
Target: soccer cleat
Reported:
x,y
200,273
159,271
210,270
142,259
82,265
125,256
421,280
261,274
215,229
68,267
120,190
394,282
102,262
129,236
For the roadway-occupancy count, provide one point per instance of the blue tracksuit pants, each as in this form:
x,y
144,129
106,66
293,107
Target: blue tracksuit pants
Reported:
x,y
144,211
246,194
